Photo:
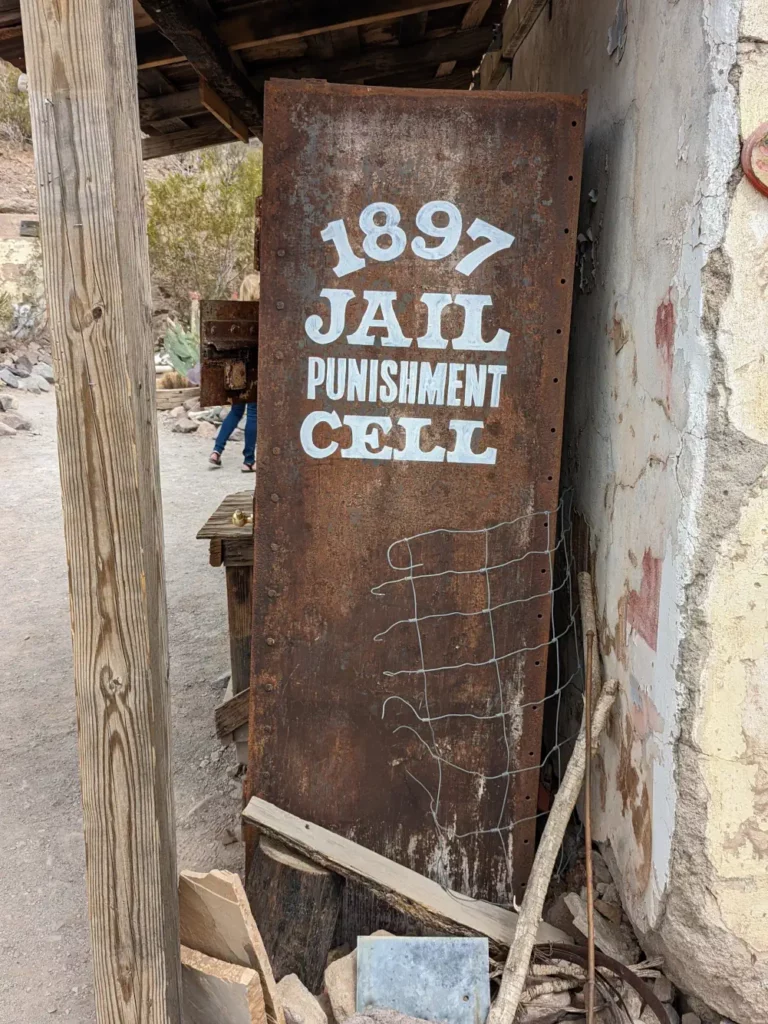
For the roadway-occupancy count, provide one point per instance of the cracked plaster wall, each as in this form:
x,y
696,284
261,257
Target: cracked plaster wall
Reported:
x,y
667,446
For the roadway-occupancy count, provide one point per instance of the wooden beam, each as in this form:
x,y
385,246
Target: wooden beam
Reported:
x,y
154,109
385,60
270,21
215,105
473,16
232,714
273,20
519,19
405,890
82,89
197,39
182,142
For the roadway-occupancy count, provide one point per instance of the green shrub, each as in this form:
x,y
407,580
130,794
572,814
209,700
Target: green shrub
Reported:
x,y
201,222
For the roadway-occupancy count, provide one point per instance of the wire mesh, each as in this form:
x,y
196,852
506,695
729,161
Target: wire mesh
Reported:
x,y
475,590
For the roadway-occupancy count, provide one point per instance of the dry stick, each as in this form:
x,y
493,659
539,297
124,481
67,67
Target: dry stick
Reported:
x,y
591,690
518,960
590,988
516,967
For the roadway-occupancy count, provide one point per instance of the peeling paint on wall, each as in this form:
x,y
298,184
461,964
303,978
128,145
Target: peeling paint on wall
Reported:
x,y
643,604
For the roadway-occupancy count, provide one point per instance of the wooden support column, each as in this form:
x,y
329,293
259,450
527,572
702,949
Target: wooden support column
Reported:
x,y
240,616
81,60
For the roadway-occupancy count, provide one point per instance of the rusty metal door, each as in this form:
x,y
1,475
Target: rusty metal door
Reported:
x,y
229,347
417,259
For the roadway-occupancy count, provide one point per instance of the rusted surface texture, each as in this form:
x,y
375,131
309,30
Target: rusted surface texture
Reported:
x,y
229,338
435,776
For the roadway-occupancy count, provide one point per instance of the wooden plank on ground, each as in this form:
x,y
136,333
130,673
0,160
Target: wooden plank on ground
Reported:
x,y
215,919
405,890
82,91
232,714
215,992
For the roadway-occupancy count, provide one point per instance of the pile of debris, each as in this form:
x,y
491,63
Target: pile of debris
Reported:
x,y
189,418
28,368
234,974
11,421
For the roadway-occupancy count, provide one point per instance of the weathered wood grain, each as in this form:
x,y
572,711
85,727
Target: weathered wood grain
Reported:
x,y
232,714
437,908
296,903
519,19
82,86
182,142
215,105
194,33
219,524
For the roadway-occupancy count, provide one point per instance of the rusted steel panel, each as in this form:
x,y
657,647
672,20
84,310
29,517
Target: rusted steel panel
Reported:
x,y
229,345
334,492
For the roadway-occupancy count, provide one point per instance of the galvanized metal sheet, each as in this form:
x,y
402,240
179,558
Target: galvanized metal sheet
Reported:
x,y
229,339
440,979
410,738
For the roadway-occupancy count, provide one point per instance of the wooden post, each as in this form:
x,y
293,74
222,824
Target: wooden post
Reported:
x,y
82,72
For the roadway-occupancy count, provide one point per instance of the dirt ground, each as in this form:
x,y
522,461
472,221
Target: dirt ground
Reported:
x,y
45,961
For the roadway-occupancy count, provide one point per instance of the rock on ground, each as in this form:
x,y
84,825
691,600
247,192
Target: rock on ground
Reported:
x,y
184,425
12,419
44,370
6,402
207,430
10,378
618,942
6,431
299,1005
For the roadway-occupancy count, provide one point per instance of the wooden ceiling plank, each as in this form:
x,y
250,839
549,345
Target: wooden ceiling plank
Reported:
x,y
216,106
153,109
273,21
519,19
386,60
196,38
473,16
182,142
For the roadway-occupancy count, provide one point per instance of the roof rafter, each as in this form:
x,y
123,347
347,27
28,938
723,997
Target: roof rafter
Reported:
x,y
268,22
197,39
386,60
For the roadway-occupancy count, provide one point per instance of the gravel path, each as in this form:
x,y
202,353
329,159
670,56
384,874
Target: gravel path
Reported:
x,y
45,962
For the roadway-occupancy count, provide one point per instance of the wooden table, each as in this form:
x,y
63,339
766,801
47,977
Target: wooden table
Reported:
x,y
232,547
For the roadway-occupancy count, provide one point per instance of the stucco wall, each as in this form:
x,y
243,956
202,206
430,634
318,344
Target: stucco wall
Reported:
x,y
666,444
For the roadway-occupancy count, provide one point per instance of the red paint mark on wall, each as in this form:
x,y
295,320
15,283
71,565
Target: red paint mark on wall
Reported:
x,y
665,342
643,604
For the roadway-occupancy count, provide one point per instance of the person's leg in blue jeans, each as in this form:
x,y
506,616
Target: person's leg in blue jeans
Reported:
x,y
229,423
249,446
